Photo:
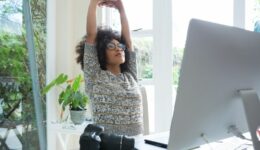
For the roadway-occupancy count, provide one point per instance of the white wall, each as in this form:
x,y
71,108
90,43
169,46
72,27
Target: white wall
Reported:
x,y
71,16
66,21
64,30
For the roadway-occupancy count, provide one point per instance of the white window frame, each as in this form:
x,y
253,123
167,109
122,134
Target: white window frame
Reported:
x,y
239,13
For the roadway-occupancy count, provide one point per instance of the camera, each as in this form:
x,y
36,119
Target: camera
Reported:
x,y
94,138
90,138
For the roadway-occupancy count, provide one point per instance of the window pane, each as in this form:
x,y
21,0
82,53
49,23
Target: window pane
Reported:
x,y
17,115
144,57
220,11
177,58
253,15
139,13
10,16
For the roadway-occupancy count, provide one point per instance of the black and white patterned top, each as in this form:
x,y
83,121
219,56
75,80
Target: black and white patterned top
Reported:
x,y
115,99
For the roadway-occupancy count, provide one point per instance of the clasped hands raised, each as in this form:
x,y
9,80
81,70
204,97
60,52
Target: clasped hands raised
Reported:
x,y
111,3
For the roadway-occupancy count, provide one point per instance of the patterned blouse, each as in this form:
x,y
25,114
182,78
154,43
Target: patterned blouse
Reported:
x,y
115,99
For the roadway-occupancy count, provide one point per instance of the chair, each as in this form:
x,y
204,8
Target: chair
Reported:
x,y
145,111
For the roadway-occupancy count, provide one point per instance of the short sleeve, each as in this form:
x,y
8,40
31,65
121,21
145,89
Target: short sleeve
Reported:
x,y
91,64
132,64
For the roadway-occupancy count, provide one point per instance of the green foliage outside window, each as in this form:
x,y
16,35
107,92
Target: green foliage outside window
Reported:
x,y
144,57
15,80
177,59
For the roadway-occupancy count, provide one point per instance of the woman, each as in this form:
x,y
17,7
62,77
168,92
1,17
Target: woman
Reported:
x,y
109,68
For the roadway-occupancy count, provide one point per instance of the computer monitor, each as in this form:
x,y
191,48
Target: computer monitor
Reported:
x,y
218,61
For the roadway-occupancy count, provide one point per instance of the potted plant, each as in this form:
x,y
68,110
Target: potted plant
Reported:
x,y
70,96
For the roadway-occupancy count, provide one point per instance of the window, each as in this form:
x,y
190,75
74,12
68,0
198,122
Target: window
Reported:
x,y
183,11
10,16
139,14
141,23
16,99
141,27
252,15
144,56
142,36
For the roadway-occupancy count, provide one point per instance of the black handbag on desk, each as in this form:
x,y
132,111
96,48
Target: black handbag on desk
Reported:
x,y
93,138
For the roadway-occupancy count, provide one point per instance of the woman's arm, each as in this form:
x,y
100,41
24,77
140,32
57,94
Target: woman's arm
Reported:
x,y
124,25
125,31
91,25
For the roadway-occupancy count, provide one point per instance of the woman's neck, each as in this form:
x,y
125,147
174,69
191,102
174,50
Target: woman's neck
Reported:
x,y
115,69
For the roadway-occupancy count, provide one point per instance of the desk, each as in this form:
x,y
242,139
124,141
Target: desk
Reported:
x,y
224,144
63,134
141,145
66,134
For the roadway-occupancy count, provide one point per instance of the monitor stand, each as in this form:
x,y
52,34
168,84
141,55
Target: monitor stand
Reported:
x,y
252,111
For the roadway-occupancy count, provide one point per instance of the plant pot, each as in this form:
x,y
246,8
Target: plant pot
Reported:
x,y
77,116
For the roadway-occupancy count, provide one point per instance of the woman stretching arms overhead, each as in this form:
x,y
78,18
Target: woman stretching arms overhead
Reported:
x,y
109,65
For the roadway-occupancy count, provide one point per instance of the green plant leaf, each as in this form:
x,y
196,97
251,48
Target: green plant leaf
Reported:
x,y
61,97
71,95
65,96
76,83
62,78
48,87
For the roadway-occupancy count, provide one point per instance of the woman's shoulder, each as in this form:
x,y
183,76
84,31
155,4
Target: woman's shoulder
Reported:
x,y
129,76
89,45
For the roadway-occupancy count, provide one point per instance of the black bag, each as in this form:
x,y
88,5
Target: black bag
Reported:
x,y
93,138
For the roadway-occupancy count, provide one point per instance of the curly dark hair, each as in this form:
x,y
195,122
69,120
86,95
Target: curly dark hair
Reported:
x,y
80,51
104,36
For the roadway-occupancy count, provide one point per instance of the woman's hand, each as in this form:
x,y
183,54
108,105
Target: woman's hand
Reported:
x,y
118,4
125,32
96,2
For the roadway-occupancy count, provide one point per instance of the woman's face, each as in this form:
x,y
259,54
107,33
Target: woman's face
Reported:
x,y
115,53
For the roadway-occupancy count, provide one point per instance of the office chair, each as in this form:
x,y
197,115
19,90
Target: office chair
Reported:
x,y
145,111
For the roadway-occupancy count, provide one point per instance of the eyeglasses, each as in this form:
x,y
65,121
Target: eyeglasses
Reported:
x,y
113,46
